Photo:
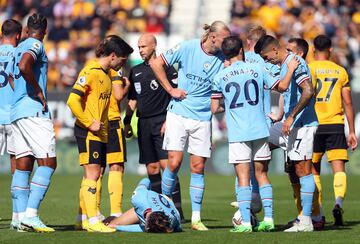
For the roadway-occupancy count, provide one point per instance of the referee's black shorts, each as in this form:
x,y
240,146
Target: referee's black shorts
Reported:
x,y
149,139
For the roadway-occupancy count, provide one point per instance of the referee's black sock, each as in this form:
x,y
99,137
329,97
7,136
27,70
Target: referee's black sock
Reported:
x,y
155,181
176,197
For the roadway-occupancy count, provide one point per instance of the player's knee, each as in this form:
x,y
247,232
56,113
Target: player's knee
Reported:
x,y
25,163
174,165
48,162
301,171
92,171
153,168
197,167
117,167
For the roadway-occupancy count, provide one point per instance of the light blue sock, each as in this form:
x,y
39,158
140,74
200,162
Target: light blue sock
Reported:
x,y
253,181
244,199
21,190
13,198
130,228
168,179
266,194
196,191
307,191
39,186
236,186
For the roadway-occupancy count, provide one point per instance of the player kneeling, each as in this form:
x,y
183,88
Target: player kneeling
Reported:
x,y
151,212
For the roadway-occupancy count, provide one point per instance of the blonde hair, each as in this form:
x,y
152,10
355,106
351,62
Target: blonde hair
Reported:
x,y
255,33
216,26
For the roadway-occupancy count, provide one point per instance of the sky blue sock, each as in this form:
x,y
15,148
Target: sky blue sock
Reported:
x,y
196,191
244,199
266,194
21,190
168,179
39,186
13,198
236,185
307,191
253,181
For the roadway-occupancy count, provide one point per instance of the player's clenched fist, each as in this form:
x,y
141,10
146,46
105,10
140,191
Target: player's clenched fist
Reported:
x,y
177,93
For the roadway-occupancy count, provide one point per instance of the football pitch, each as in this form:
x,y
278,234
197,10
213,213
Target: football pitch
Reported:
x,y
60,208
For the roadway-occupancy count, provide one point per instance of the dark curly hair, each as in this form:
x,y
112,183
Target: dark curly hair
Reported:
x,y
113,43
37,22
158,222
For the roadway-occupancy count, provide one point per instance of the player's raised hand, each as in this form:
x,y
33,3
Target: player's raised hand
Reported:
x,y
352,141
95,126
293,64
287,125
178,93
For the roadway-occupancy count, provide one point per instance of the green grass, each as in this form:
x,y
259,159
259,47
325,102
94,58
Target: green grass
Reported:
x,y
60,208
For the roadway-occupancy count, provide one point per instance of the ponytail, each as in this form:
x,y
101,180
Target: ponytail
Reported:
x,y
214,27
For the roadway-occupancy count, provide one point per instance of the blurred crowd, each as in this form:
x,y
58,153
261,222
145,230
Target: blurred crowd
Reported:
x,y
306,19
75,27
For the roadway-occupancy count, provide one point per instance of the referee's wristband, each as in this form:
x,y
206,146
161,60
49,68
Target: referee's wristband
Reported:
x,y
127,120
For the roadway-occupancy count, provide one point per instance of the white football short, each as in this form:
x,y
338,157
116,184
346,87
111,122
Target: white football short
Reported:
x,y
301,142
245,152
180,129
34,136
6,140
277,138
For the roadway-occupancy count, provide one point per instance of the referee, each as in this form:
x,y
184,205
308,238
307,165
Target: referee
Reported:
x,y
151,100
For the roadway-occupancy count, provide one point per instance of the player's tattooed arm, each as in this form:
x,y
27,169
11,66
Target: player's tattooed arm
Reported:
x,y
307,92
216,106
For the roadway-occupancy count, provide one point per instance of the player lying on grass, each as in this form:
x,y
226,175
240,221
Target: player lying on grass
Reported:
x,y
151,212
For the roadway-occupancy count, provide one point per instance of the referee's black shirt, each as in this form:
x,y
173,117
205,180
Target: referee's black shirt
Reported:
x,y
151,97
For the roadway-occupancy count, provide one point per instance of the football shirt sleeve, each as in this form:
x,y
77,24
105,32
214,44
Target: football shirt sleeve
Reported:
x,y
301,73
174,54
116,77
35,49
81,86
345,79
216,88
271,78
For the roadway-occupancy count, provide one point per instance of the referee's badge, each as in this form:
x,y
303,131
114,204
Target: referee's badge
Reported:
x,y
154,85
137,87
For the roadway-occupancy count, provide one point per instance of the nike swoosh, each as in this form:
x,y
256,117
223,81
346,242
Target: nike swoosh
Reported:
x,y
138,74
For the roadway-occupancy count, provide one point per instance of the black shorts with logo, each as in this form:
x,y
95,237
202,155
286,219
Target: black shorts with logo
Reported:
x,y
91,151
149,139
